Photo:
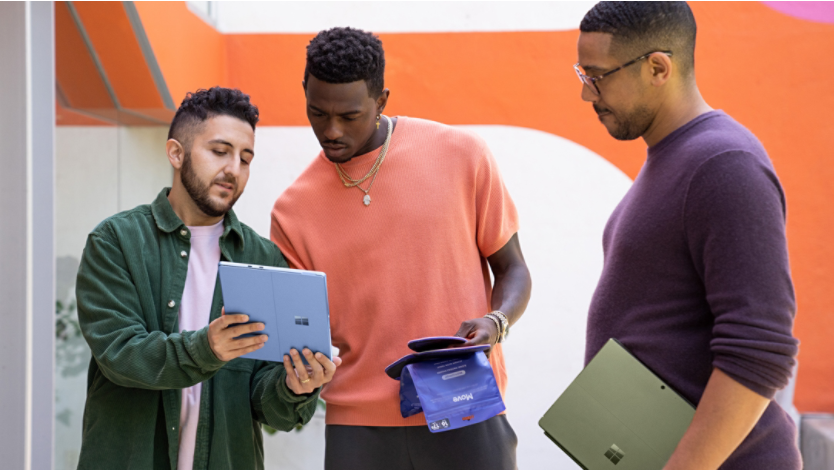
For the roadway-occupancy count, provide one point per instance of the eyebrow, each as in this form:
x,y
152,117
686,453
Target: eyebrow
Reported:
x,y
223,142
348,113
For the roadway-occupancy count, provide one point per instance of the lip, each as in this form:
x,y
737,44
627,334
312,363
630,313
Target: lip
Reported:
x,y
226,186
334,151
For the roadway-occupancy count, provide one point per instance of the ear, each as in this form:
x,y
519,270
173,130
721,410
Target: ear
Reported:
x,y
660,67
382,101
304,85
176,153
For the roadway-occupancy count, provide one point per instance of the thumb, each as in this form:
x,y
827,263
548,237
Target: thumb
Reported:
x,y
480,337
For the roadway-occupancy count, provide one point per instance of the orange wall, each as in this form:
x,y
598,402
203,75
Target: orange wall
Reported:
x,y
190,53
760,66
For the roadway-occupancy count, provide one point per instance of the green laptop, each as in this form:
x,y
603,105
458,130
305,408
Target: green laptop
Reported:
x,y
618,415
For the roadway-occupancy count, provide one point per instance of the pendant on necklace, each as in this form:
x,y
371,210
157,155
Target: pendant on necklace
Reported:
x,y
367,199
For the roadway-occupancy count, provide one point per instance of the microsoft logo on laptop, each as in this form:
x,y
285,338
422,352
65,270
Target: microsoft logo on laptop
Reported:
x,y
302,321
614,454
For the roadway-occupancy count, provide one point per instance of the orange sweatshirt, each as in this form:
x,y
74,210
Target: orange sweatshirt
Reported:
x,y
410,265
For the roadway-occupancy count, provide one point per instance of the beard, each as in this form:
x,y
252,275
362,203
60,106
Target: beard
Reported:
x,y
200,193
631,125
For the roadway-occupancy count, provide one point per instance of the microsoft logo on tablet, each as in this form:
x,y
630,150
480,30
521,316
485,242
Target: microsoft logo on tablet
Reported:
x,y
302,321
614,454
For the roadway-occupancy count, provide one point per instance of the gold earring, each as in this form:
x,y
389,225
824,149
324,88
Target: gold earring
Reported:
x,y
377,121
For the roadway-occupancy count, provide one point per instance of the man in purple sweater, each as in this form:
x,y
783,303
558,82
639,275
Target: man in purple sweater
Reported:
x,y
696,281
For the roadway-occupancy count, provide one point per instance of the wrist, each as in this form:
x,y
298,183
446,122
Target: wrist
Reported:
x,y
502,322
497,324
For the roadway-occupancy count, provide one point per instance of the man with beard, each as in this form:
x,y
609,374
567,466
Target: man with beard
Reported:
x,y
406,217
166,385
696,281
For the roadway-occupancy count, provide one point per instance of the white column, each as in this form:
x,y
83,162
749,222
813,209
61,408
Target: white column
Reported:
x,y
27,261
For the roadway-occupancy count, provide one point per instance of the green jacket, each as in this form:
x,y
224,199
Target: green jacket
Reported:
x,y
129,287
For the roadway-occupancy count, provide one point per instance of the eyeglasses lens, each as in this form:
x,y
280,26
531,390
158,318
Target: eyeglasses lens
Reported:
x,y
586,80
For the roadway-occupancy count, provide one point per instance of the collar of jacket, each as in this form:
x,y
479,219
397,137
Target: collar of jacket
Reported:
x,y
168,221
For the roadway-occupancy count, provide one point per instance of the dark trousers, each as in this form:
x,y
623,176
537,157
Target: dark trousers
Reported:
x,y
489,445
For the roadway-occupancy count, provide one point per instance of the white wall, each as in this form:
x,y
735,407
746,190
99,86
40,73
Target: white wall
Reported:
x,y
394,17
99,172
564,193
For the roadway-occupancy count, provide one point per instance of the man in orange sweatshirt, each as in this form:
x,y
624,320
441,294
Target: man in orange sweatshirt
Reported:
x,y
406,217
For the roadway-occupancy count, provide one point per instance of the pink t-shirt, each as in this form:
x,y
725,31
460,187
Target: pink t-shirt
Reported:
x,y
195,310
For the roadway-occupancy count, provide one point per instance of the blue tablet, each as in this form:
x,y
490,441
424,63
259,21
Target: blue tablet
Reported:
x,y
292,304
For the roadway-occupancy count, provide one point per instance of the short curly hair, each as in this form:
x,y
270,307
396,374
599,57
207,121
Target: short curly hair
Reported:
x,y
345,55
642,27
204,104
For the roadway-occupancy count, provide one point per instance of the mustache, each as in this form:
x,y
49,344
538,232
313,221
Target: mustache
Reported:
x,y
229,179
600,110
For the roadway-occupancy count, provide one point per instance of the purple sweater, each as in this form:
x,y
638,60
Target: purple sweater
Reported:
x,y
696,276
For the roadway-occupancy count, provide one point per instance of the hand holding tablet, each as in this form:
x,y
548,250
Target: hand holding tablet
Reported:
x,y
230,336
303,379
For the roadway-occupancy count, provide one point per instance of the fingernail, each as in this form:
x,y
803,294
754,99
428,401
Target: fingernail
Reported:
x,y
319,356
246,318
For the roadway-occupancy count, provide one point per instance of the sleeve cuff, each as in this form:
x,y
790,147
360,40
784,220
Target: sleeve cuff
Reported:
x,y
740,377
201,351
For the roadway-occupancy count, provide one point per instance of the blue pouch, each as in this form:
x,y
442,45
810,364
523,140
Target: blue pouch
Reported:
x,y
453,388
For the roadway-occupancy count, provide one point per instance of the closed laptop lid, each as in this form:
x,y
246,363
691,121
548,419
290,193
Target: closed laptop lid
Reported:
x,y
617,414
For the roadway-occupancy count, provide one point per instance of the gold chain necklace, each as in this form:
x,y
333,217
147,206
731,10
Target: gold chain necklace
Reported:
x,y
350,182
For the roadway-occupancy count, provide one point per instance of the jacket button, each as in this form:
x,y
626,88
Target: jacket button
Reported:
x,y
172,304
183,232
183,254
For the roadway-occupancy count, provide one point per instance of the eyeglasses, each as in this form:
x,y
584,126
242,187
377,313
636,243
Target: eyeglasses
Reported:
x,y
591,82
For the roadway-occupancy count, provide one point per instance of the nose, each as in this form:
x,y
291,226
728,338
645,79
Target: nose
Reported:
x,y
588,95
232,167
333,131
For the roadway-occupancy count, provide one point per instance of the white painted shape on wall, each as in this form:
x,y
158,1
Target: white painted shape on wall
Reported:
x,y
564,193
281,154
398,17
